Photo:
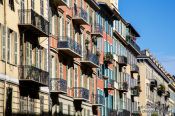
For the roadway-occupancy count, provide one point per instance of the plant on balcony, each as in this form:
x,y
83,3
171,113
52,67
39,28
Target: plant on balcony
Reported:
x,y
125,85
138,88
87,43
94,40
108,57
98,53
161,89
154,114
167,95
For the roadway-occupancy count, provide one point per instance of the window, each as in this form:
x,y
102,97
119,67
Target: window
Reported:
x,y
3,40
41,105
23,104
31,105
1,2
9,102
42,7
33,4
12,5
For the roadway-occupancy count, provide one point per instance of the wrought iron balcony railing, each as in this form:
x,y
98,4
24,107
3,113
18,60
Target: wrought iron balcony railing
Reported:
x,y
90,59
97,30
131,42
122,60
123,86
81,93
31,20
97,99
134,68
80,16
58,85
69,46
110,84
32,74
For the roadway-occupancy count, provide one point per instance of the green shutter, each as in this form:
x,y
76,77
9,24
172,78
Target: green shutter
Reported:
x,y
36,57
15,48
45,59
55,67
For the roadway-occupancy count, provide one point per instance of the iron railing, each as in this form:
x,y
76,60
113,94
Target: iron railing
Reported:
x,y
122,60
79,12
27,72
88,56
97,99
30,17
81,93
97,28
134,68
123,86
130,41
68,42
58,85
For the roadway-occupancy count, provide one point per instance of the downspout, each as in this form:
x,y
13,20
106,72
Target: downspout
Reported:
x,y
49,18
5,24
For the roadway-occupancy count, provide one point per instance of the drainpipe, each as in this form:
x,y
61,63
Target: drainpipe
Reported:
x,y
5,24
49,56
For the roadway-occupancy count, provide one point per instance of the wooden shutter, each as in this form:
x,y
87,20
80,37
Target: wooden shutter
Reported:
x,y
58,26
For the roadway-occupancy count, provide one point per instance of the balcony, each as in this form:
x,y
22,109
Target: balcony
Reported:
x,y
123,86
79,16
132,43
97,100
56,3
90,60
108,58
81,94
136,113
122,60
135,91
30,75
134,68
97,30
33,22
110,85
167,95
153,83
58,85
69,46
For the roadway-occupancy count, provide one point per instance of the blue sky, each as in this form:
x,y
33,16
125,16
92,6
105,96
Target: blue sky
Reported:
x,y
155,21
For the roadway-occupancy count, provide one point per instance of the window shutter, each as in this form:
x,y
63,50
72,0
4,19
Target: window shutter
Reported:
x,y
30,51
71,30
8,45
66,30
50,61
36,57
15,48
55,67
45,59
63,27
61,107
3,42
55,25
58,26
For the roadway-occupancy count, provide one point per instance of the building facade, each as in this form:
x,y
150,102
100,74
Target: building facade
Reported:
x,y
74,57
157,87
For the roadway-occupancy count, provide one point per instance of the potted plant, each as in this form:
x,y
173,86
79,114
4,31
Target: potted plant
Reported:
x,y
98,53
108,57
161,89
87,43
125,85
94,40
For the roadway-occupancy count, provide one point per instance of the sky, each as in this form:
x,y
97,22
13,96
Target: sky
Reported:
x,y
155,22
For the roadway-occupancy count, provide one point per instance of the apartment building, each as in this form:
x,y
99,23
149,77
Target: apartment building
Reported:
x,y
157,87
24,40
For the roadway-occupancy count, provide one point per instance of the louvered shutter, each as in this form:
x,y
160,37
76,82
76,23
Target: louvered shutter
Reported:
x,y
8,45
3,42
15,48
58,26
55,25
63,27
